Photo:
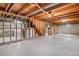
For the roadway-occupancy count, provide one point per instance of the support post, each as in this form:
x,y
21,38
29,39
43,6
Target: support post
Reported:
x,y
10,28
3,26
16,28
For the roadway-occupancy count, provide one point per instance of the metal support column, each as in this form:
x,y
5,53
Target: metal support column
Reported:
x,y
21,29
3,26
25,27
16,28
38,28
10,28
29,28
32,29
35,28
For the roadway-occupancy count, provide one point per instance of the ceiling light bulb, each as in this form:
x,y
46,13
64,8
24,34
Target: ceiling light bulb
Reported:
x,y
63,20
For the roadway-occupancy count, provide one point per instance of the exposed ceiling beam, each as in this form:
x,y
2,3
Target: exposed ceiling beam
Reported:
x,y
39,7
63,16
43,10
48,6
65,7
7,7
23,8
8,13
68,10
69,14
11,7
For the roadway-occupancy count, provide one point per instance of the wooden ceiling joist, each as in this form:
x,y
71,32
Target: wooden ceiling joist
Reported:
x,y
11,7
8,13
7,7
71,10
41,10
39,7
27,8
74,14
48,6
23,8
68,14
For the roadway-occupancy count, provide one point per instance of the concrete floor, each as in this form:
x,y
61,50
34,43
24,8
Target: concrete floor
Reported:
x,y
54,45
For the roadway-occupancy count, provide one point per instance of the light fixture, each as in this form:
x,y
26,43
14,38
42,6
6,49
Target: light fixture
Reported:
x,y
63,20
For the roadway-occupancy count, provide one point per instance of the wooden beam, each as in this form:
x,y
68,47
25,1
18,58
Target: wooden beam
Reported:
x,y
64,12
48,6
8,13
65,7
7,7
23,7
11,7
43,10
68,15
39,7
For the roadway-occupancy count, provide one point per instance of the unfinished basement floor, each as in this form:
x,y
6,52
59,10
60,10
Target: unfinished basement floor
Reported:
x,y
54,45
